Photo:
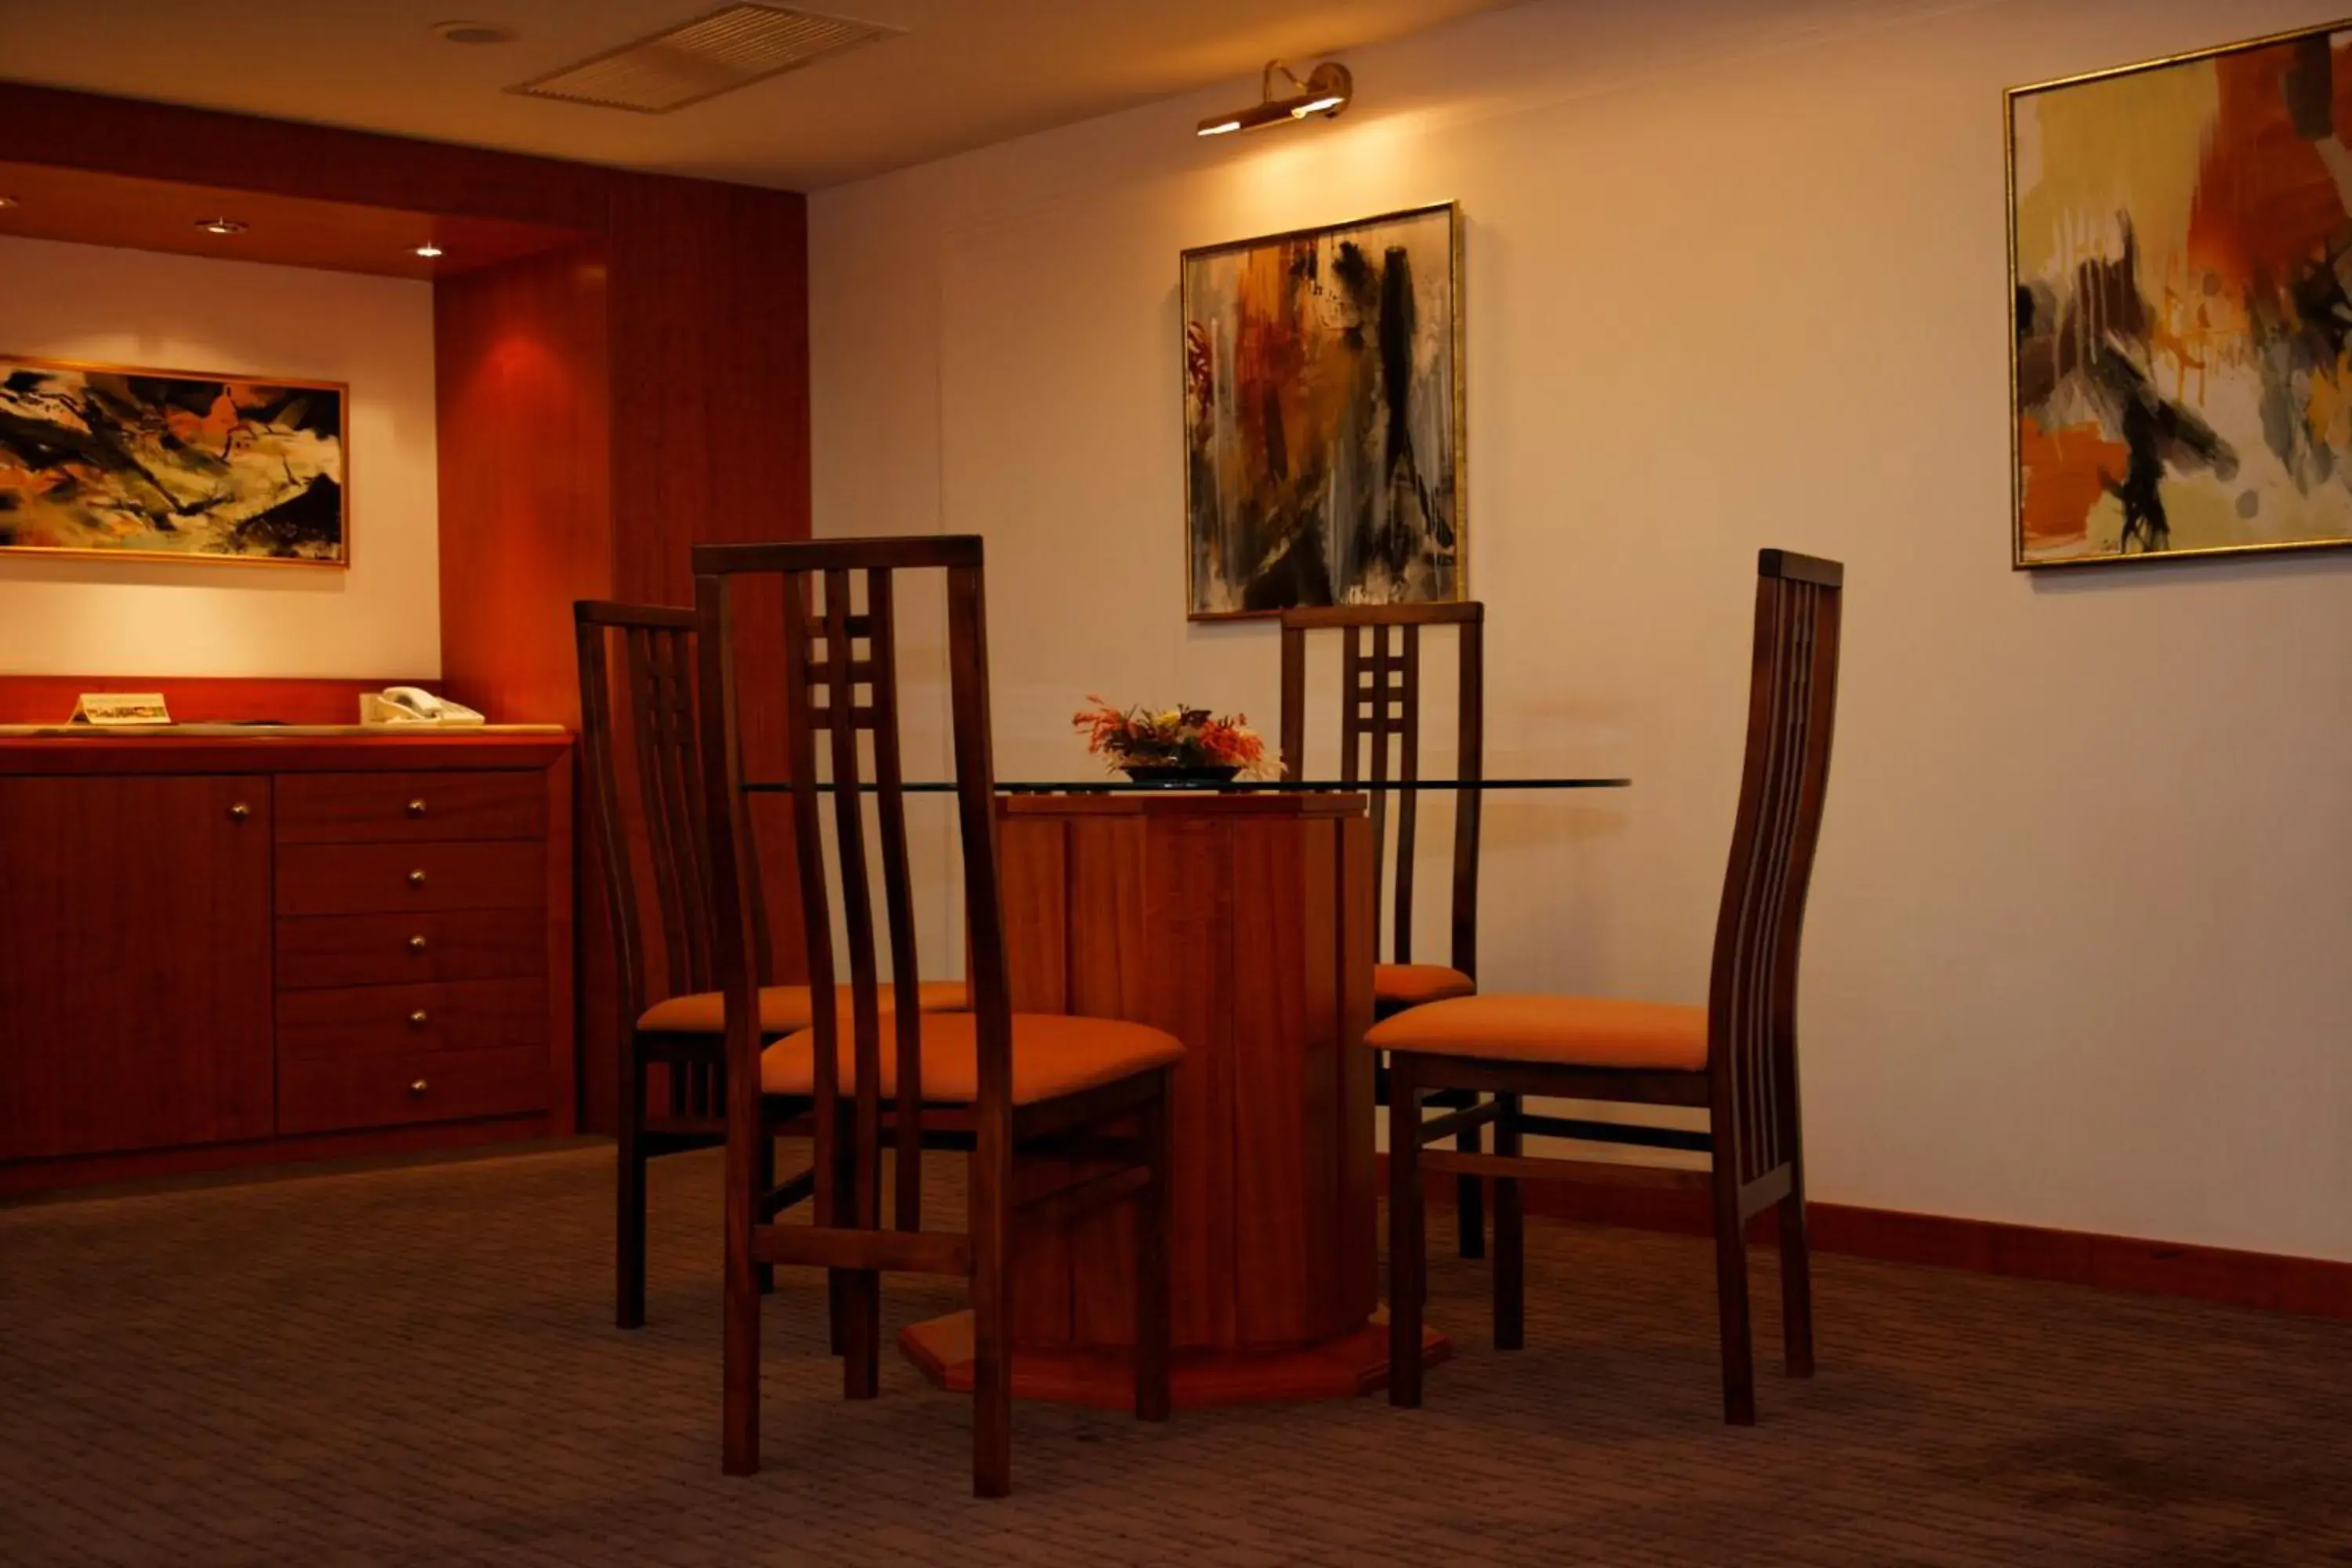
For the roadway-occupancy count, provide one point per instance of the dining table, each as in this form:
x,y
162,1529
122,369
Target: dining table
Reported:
x,y
1239,917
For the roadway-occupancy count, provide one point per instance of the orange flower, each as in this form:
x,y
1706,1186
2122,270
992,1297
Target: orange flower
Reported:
x,y
1181,736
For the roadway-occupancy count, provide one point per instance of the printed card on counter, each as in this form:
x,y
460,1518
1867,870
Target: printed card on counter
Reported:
x,y
120,709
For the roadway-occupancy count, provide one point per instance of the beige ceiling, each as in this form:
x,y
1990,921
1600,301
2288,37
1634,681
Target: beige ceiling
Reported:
x,y
965,73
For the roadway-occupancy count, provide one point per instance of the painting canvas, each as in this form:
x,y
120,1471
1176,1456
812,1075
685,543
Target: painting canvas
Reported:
x,y
2181,255
1323,417
144,463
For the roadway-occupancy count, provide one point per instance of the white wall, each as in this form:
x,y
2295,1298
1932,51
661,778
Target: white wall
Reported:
x,y
1736,276
381,616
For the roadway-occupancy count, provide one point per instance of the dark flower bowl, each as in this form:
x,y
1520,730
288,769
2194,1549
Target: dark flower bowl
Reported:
x,y
1180,773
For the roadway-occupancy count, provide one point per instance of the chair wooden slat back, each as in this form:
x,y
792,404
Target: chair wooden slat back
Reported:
x,y
841,679
638,724
1752,997
1379,724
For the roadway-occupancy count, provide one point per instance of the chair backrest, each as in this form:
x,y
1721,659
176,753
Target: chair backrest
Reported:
x,y
1752,997
835,691
1379,713
646,719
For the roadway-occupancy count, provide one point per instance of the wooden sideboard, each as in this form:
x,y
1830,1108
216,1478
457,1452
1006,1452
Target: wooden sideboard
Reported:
x,y
227,950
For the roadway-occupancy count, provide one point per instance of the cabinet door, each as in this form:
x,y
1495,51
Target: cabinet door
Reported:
x,y
134,963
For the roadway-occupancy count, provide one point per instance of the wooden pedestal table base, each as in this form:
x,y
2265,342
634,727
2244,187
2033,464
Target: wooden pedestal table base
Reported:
x,y
1243,925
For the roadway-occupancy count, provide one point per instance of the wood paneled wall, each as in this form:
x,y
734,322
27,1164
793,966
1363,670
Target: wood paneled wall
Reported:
x,y
521,392
245,152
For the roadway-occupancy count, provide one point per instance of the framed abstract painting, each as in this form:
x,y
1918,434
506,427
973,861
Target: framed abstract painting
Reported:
x,y
110,461
2180,257
1323,424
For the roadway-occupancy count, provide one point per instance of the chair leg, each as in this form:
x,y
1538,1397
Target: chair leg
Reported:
x,y
1510,1235
629,1193
765,1273
1151,1304
1408,1262
859,1291
840,1300
991,1304
1731,1300
1470,1196
740,1410
859,1323
1796,1284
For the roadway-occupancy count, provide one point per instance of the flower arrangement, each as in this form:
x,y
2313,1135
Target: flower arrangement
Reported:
x,y
1173,743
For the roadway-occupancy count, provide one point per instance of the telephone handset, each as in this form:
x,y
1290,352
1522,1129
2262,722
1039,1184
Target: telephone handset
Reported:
x,y
413,705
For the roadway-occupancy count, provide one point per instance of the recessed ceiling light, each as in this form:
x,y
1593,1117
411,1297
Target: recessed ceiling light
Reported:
x,y
474,33
220,226
428,250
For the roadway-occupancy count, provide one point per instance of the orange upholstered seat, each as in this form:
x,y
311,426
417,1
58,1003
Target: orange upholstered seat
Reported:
x,y
1572,1031
1398,986
783,1008
1053,1056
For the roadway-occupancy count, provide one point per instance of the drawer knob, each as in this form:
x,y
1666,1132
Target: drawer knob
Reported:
x,y
419,1086
417,944
416,879
239,812
417,1020
416,807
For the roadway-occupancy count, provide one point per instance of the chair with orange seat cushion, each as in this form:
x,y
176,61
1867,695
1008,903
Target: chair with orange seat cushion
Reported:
x,y
1379,713
1736,1056
1032,1082
642,776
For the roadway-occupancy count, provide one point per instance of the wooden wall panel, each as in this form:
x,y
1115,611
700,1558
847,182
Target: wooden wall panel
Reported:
x,y
521,376
88,207
709,329
206,147
710,345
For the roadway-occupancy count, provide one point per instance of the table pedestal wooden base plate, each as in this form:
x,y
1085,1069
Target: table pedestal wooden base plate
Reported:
x,y
1342,1368
1241,924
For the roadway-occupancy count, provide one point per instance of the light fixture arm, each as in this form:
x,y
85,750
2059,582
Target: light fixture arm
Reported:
x,y
1325,91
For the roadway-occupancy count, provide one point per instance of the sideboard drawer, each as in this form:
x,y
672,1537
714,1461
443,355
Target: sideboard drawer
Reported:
x,y
322,952
325,1094
381,1020
369,878
406,808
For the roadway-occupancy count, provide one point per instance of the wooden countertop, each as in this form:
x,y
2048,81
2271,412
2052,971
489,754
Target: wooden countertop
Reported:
x,y
274,748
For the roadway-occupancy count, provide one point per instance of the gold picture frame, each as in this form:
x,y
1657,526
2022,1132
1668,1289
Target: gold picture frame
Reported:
x,y
200,466
2153,310
1426,540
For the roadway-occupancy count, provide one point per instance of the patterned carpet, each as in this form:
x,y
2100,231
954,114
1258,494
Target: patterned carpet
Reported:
x,y
416,1366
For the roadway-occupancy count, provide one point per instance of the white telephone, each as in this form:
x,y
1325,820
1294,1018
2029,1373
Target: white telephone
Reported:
x,y
412,705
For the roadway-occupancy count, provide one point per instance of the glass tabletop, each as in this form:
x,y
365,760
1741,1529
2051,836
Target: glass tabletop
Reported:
x,y
1210,786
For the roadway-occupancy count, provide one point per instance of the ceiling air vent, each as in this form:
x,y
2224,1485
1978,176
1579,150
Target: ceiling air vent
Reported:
x,y
729,49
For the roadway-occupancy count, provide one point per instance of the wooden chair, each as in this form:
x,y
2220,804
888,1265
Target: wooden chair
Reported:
x,y
667,1002
1737,1055
1061,1085
1379,713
